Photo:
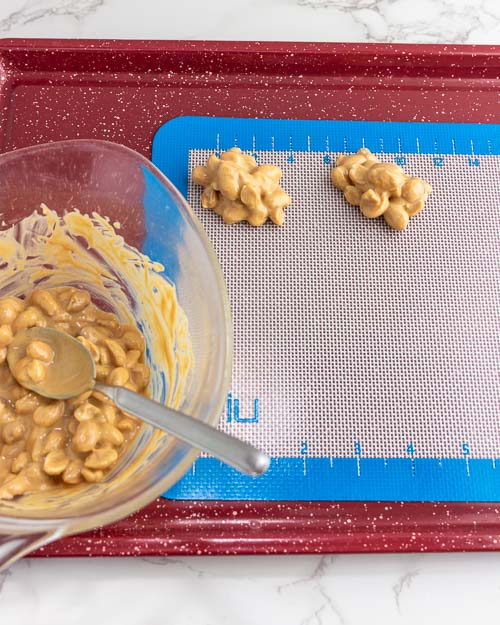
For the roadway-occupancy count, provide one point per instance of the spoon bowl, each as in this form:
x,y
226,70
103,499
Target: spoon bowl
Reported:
x,y
71,371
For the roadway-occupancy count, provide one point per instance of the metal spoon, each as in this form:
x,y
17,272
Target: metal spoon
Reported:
x,y
72,372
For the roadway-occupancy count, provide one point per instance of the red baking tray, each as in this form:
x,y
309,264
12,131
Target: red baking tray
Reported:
x,y
123,91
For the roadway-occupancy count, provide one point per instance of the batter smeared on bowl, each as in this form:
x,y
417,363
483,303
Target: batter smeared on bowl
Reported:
x,y
75,274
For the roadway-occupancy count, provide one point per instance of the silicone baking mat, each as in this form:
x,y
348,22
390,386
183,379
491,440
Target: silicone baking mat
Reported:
x,y
365,359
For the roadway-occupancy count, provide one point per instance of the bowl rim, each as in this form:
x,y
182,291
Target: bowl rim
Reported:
x,y
55,525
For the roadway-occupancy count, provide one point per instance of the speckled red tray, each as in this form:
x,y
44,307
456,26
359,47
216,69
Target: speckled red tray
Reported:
x,y
123,91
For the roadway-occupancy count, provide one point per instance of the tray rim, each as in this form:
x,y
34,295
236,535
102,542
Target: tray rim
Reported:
x,y
195,528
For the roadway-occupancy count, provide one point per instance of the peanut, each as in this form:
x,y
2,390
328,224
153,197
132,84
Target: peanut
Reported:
x,y
54,441
140,375
78,301
19,462
92,476
10,307
36,371
49,415
111,435
101,458
86,436
132,339
92,347
40,351
117,352
13,431
132,358
86,412
29,318
396,216
118,376
55,462
46,301
72,473
6,335
28,403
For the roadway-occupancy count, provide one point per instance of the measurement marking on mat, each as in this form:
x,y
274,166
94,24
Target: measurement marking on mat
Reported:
x,y
272,143
331,462
453,147
399,145
466,453
381,141
490,146
472,147
417,141
327,159
308,143
303,451
345,144
291,158
494,463
436,150
254,143
357,452
411,450
217,143
363,142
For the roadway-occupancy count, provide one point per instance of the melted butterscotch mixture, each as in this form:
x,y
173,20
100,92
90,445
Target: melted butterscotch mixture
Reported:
x,y
46,443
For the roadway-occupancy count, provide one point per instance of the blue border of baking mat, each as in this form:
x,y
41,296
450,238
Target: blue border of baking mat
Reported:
x,y
307,478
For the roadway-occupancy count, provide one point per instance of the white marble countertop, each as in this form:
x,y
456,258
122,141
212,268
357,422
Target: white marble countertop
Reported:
x,y
425,21
284,590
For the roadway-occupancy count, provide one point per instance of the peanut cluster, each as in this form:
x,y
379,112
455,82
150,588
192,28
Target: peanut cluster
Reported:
x,y
240,190
380,188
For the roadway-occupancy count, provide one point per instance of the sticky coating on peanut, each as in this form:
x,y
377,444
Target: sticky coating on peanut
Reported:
x,y
380,188
48,444
238,189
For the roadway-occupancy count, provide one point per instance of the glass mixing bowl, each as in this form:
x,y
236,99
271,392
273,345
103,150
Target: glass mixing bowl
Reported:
x,y
119,183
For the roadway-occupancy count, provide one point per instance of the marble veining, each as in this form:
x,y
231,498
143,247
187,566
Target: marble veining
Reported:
x,y
282,590
426,21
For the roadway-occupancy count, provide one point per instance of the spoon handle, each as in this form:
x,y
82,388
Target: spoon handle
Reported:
x,y
230,450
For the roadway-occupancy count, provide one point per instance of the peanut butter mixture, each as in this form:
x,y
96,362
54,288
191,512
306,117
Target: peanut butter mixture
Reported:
x,y
46,443
380,188
240,190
